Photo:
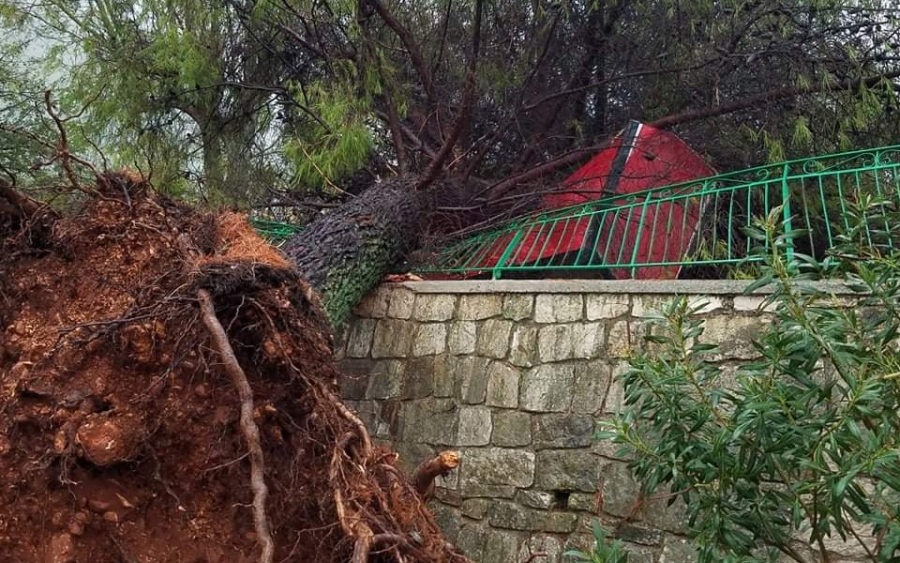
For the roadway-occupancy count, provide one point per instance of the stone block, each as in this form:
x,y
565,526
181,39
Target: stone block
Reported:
x,y
620,490
359,338
658,513
402,302
517,307
444,384
370,414
615,398
549,546
569,470
471,541
591,386
581,541
447,519
677,550
447,497
474,426
733,335
851,550
412,454
375,304
502,386
430,421
630,532
450,483
501,546
511,429
641,553
470,373
606,306
476,307
624,338
431,339
570,341
535,499
418,378
474,490
558,308
753,304
643,305
462,337
434,307
393,338
585,502
512,516
547,388
355,378
386,380
705,304
496,466
523,347
340,343
562,431
493,338
475,508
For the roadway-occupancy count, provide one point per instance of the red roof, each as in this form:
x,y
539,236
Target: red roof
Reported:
x,y
638,158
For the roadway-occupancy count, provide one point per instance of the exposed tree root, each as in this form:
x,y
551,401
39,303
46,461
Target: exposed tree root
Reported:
x,y
248,425
116,366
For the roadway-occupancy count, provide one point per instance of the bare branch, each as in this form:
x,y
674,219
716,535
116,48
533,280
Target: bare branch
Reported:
x,y
409,42
434,169
768,97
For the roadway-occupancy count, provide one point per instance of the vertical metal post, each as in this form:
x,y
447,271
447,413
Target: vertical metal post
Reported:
x,y
639,236
498,269
786,207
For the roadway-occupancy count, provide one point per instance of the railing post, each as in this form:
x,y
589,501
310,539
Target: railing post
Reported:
x,y
498,268
786,208
639,237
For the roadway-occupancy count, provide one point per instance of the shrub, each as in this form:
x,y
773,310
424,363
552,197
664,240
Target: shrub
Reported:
x,y
802,444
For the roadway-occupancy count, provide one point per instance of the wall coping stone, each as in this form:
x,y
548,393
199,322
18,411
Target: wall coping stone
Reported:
x,y
670,287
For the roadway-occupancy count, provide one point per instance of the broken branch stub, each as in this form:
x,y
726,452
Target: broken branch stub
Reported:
x,y
428,471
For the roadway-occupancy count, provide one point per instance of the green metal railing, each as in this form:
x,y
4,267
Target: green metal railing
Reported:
x,y
658,232
274,231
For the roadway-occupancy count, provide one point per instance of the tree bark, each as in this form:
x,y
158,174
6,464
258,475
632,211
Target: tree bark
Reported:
x,y
346,253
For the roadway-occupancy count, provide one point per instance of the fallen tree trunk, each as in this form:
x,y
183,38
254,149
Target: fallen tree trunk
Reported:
x,y
347,252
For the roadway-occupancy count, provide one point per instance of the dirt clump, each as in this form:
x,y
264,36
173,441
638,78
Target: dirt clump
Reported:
x,y
120,434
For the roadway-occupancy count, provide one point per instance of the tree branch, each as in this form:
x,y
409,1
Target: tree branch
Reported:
x,y
768,97
501,188
434,169
409,42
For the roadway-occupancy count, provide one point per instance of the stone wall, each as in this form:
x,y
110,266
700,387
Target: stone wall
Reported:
x,y
515,375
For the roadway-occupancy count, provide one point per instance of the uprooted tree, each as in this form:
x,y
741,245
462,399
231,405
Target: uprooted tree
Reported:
x,y
472,107
168,391
168,381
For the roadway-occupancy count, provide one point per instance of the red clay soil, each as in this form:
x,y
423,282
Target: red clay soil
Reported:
x,y
119,435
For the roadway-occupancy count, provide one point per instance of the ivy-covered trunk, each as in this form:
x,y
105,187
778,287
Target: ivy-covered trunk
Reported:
x,y
346,253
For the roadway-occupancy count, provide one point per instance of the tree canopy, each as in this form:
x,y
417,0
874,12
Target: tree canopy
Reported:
x,y
274,103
